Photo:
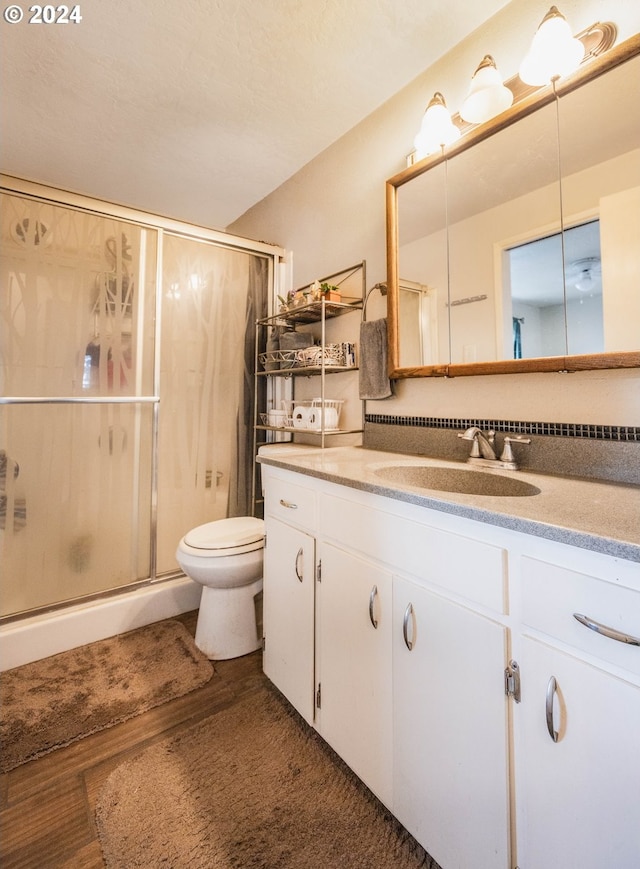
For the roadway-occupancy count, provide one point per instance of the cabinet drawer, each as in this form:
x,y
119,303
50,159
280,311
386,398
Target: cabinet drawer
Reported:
x,y
459,564
552,594
291,503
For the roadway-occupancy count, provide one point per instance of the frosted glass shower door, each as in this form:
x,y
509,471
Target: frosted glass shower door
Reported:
x,y
211,297
77,312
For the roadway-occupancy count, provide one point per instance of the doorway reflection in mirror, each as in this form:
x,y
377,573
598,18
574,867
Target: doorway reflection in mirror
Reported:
x,y
558,310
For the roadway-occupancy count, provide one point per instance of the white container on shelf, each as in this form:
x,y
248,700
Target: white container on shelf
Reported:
x,y
278,418
325,414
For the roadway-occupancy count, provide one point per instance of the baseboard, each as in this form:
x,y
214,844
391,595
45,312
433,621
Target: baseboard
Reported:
x,y
31,639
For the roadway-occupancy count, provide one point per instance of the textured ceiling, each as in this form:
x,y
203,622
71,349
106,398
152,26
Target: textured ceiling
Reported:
x,y
197,109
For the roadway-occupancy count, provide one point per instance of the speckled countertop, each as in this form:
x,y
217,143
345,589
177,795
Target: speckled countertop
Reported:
x,y
600,516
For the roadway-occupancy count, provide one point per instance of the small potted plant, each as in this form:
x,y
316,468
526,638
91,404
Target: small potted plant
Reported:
x,y
330,293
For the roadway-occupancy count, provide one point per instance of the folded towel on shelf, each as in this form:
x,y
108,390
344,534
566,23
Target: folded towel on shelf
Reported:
x,y
374,380
290,341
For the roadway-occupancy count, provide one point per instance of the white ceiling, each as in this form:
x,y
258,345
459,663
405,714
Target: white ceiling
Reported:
x,y
197,109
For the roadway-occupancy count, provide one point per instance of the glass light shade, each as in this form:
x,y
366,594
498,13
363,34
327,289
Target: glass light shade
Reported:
x,y
554,51
437,129
585,282
488,96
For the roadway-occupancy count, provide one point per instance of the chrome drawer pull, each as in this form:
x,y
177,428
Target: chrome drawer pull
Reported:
x,y
288,504
551,690
405,626
298,557
372,597
606,631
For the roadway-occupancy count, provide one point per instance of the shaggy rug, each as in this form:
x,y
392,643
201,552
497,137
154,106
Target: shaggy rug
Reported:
x,y
53,702
252,787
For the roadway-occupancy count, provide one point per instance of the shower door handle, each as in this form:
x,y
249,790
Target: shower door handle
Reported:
x,y
297,563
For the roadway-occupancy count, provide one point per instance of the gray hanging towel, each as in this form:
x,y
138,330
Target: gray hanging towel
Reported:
x,y
374,380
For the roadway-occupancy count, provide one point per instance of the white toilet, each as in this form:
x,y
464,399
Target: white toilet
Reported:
x,y
225,557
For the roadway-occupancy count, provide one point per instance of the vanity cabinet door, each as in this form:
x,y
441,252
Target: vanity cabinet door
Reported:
x,y
354,665
289,578
450,732
581,793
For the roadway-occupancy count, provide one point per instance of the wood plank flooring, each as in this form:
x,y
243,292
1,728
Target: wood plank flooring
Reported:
x,y
47,806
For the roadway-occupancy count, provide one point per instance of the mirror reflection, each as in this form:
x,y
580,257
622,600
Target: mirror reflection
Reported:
x,y
423,318
600,162
503,193
549,315
526,245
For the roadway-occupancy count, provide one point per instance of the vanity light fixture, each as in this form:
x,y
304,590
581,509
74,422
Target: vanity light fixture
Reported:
x,y
488,96
437,129
554,51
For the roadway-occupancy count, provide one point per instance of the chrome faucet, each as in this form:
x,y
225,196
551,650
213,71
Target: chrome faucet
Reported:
x,y
482,452
482,447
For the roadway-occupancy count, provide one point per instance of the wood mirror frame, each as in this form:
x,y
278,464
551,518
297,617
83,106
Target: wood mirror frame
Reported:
x,y
526,106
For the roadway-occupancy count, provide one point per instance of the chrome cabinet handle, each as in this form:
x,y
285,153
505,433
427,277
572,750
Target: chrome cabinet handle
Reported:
x,y
606,631
405,626
372,597
551,691
288,504
298,557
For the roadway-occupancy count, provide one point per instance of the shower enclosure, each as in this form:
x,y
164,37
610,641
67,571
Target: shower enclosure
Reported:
x,y
126,362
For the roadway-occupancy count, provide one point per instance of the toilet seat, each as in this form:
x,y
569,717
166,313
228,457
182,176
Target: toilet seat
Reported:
x,y
225,537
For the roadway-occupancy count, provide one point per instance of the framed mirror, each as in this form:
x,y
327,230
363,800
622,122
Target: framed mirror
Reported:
x,y
525,235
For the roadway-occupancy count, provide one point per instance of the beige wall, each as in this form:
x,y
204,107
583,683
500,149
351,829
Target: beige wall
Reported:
x,y
332,214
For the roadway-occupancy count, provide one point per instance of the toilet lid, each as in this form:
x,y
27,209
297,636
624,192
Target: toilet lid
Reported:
x,y
226,533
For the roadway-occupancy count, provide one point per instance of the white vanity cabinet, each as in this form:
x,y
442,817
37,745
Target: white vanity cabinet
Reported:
x,y
578,726
353,649
450,728
443,716
289,578
416,703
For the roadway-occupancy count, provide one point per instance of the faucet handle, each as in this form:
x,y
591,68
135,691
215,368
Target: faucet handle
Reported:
x,y
507,452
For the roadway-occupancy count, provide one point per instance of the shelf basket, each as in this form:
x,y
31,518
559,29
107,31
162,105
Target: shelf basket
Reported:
x,y
334,356
313,357
276,360
317,415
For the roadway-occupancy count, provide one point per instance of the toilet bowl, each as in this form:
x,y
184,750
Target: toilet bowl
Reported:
x,y
225,557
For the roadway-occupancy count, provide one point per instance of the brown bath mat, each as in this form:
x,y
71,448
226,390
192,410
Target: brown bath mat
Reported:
x,y
53,702
252,787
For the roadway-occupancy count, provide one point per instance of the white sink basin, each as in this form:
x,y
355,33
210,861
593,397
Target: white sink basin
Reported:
x,y
461,480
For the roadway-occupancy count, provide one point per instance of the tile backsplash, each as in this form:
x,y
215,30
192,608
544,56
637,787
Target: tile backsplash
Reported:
x,y
604,452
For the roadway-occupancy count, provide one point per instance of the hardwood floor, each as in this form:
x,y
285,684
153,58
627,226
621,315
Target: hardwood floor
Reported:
x,y
47,805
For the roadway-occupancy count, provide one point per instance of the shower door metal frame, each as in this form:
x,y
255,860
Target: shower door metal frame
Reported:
x,y
160,225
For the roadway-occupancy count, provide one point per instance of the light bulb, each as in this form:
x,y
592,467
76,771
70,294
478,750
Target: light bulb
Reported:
x,y
488,96
554,51
437,129
585,281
